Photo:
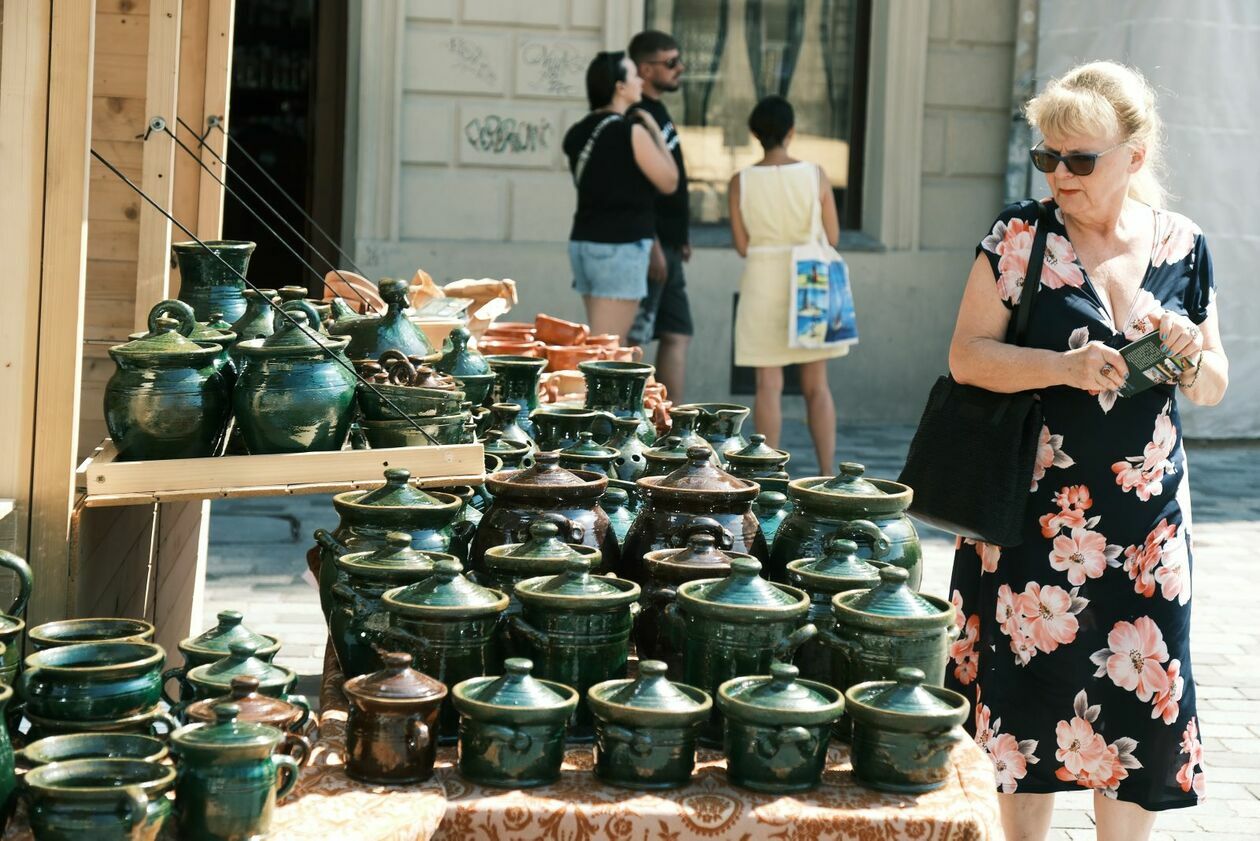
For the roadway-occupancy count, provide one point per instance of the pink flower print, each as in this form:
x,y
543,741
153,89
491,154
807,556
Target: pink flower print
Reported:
x,y
956,600
984,732
1007,610
1011,759
1073,501
1193,748
1059,267
1190,744
1174,239
1049,454
1139,561
1140,319
1113,768
1173,573
1083,554
1012,242
1049,615
1081,750
1166,702
1087,758
963,651
1144,474
1134,658
988,553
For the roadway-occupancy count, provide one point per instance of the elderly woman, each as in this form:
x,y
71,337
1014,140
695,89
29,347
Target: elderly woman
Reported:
x,y
1074,647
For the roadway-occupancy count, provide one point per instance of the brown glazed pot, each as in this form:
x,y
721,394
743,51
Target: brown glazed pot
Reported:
x,y
522,496
291,715
391,732
697,489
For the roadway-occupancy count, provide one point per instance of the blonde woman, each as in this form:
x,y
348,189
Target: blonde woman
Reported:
x,y
1074,646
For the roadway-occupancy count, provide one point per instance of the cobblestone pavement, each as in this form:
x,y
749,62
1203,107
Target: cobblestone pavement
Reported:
x,y
256,564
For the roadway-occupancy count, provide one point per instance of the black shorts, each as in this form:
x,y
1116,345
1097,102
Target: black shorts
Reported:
x,y
666,308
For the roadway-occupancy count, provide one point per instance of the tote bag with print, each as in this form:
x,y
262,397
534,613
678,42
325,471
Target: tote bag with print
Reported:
x,y
820,303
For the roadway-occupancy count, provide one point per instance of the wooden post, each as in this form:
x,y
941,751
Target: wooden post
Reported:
x,y
218,78
153,259
61,288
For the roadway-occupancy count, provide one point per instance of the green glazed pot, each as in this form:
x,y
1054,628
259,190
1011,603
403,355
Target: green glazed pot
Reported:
x,y
646,729
630,463
166,399
880,630
215,679
215,643
758,460
467,366
216,331
869,511
777,729
587,455
616,388
155,721
230,777
838,571
511,732
770,507
616,504
358,616
667,456
504,426
391,732
720,424
516,382
419,402
737,625
544,553
448,624
576,627
655,634
93,681
11,626
91,746
372,335
559,427
439,431
99,799
78,631
432,518
292,714
683,427
904,732
292,396
257,321
8,778
511,454
206,284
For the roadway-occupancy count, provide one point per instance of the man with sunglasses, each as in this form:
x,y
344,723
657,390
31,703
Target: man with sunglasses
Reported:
x,y
665,314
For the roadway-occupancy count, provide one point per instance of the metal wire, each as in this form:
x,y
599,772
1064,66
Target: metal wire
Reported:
x,y
240,150
283,312
166,129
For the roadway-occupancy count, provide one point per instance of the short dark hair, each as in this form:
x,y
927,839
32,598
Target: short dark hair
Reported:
x,y
771,120
602,76
648,43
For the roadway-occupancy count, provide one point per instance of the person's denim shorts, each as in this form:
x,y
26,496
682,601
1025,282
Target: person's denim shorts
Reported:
x,y
610,269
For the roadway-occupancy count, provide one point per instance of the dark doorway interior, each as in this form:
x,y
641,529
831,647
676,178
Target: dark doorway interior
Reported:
x,y
288,106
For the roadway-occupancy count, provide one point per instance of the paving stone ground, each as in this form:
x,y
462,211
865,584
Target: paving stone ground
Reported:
x,y
257,565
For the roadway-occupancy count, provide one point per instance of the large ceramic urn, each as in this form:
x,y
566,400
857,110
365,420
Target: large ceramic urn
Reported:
x,y
696,489
870,512
210,276
522,496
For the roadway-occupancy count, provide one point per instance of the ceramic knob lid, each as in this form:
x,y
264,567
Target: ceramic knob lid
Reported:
x,y
397,681
395,559
518,688
904,694
651,690
546,471
171,325
229,630
576,580
447,593
780,690
241,660
585,447
398,492
745,587
228,734
759,451
544,544
849,481
893,597
841,562
701,474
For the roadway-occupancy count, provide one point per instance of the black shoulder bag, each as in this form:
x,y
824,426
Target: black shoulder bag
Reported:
x,y
971,461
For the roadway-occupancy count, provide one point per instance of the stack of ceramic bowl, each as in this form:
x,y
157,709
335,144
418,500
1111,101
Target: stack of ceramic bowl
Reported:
x,y
406,392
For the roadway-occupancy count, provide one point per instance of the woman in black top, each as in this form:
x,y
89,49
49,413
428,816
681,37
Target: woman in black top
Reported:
x,y
619,164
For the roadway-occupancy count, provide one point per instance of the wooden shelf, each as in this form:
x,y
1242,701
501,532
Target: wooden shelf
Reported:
x,y
102,480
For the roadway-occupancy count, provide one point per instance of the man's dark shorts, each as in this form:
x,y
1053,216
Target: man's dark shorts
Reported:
x,y
666,308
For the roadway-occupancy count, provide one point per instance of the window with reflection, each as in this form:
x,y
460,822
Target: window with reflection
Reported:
x,y
814,52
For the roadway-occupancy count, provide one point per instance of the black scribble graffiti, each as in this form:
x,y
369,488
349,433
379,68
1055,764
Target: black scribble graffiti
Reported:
x,y
558,65
470,58
505,135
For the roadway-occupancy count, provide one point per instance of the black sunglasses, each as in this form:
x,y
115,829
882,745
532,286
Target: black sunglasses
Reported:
x,y
670,63
1078,163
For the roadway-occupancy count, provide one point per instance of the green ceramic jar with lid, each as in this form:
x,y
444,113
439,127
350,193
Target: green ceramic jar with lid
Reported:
x,y
513,727
214,644
616,504
777,729
371,335
467,366
585,454
904,732
391,732
838,570
758,460
737,625
358,617
11,623
544,553
215,678
576,627
646,728
214,331
167,398
99,799
292,714
230,777
850,504
448,624
770,508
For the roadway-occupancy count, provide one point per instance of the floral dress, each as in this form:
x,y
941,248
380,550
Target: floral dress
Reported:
x,y
1074,647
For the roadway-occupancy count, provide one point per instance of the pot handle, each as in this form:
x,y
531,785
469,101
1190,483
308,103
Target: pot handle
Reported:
x,y
705,525
932,745
519,628
174,309
880,544
406,638
179,672
675,625
418,736
279,322
513,738
304,705
464,531
640,743
22,570
298,747
327,541
167,720
343,591
135,806
831,639
287,772
770,744
571,531
636,610
786,649
665,595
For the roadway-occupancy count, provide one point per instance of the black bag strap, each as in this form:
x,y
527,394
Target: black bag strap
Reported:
x,y
1017,329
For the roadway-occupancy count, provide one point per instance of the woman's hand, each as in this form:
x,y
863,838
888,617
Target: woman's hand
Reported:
x,y
1178,335
1094,368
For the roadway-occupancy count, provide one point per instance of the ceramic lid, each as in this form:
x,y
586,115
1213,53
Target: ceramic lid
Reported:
x,y
461,360
496,444
254,706
670,450
397,681
445,593
614,498
744,588
544,544
517,688
295,336
771,502
849,481
397,492
893,597
701,474
545,471
215,326
840,564
586,448
395,557
651,690
758,450
780,690
228,733
904,694
219,639
578,588
241,660
905,704
171,324
701,552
